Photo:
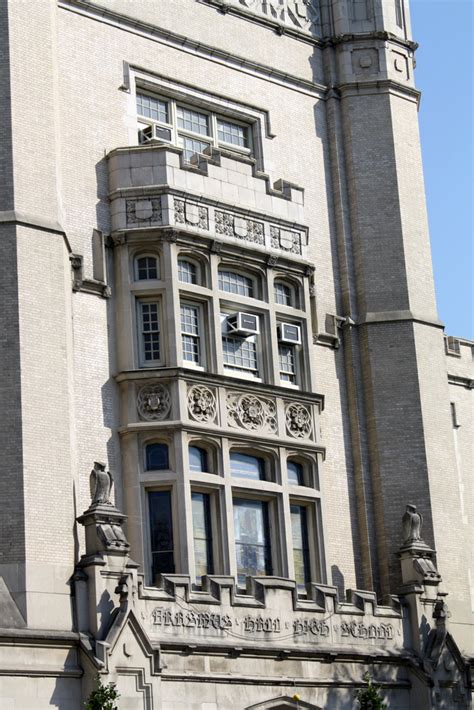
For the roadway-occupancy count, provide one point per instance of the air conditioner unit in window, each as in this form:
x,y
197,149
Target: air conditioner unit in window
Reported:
x,y
289,333
243,324
154,132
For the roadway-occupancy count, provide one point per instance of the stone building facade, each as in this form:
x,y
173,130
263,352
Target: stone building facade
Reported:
x,y
217,286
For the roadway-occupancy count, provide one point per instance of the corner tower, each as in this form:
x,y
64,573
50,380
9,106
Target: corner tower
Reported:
x,y
401,427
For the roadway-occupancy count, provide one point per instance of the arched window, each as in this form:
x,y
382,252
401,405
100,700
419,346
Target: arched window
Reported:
x,y
188,271
295,473
146,268
157,457
198,459
247,466
235,282
285,294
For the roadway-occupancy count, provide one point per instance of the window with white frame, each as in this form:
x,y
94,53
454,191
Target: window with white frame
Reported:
x,y
287,363
285,294
146,268
190,333
240,354
149,327
191,128
234,282
187,271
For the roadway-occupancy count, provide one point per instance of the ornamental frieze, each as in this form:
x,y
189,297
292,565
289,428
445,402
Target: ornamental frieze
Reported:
x,y
153,402
298,14
299,422
144,213
232,225
190,213
252,413
202,403
285,240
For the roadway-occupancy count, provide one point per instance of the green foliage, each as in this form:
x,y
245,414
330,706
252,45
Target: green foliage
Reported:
x,y
369,698
103,697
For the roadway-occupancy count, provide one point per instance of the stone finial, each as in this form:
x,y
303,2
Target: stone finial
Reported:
x,y
412,522
100,485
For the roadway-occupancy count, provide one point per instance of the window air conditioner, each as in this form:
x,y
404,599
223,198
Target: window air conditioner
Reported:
x,y
289,333
154,132
243,324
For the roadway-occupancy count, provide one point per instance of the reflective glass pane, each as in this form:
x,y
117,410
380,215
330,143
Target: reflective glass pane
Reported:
x,y
202,534
152,108
252,546
300,544
295,473
231,133
245,466
197,459
161,532
187,272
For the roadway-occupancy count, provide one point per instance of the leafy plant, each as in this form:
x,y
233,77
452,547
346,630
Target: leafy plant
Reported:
x,y
369,698
103,697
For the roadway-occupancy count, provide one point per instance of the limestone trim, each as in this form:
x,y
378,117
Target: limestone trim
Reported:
x,y
466,382
397,316
26,219
186,44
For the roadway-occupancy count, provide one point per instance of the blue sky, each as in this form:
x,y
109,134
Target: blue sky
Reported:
x,y
444,74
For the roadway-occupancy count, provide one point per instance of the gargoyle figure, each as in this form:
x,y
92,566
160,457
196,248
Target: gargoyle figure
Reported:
x,y
100,484
412,522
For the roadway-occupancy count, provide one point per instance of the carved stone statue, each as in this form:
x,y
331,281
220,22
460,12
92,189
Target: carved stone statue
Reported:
x,y
100,484
412,522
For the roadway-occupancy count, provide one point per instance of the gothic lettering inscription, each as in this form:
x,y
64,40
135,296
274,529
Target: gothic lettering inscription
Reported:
x,y
190,619
260,624
359,630
310,626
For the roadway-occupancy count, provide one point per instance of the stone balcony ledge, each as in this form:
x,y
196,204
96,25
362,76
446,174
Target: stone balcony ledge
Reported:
x,y
151,188
178,398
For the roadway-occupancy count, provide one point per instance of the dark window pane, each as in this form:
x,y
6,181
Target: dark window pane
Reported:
x,y
161,532
202,535
299,528
157,457
147,268
244,466
252,540
295,473
197,459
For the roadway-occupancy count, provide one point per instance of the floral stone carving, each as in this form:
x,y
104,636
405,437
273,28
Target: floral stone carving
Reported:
x,y
299,422
144,212
285,240
234,226
252,413
153,402
202,403
191,213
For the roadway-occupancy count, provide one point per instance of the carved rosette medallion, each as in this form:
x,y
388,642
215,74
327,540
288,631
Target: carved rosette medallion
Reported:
x,y
298,421
202,404
234,226
153,402
285,240
143,213
191,213
252,413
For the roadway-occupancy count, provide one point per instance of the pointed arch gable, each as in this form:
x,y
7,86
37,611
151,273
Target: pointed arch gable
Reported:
x,y
283,702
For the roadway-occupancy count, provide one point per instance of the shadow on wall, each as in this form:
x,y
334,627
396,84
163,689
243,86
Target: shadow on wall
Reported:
x,y
338,581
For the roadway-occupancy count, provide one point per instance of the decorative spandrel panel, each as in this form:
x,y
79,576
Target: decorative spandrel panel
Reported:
x,y
303,15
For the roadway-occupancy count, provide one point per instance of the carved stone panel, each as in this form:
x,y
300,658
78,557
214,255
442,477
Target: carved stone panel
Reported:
x,y
153,402
144,213
202,404
299,422
252,413
285,240
235,226
186,212
298,14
